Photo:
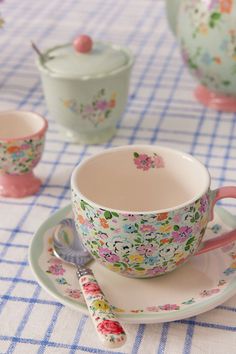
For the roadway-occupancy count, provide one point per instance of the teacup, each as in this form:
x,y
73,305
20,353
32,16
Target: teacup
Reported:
x,y
86,88
142,210
22,136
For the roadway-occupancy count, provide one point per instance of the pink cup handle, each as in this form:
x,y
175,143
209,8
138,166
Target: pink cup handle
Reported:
x,y
228,237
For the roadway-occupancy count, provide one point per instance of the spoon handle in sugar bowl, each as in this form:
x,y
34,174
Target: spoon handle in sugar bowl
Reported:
x,y
108,327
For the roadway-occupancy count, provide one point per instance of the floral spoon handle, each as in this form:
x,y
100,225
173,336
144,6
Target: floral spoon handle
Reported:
x,y
105,321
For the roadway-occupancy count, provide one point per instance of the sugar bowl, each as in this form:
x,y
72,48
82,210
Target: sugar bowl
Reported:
x,y
86,87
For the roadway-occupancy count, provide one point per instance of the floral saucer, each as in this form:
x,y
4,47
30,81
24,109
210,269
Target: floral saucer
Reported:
x,y
200,285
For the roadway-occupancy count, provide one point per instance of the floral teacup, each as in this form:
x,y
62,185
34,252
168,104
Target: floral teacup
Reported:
x,y
22,136
142,210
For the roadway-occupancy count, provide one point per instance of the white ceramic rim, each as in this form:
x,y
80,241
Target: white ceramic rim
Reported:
x,y
141,146
41,65
40,132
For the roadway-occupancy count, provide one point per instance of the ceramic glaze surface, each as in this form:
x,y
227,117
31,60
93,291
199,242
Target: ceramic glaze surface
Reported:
x,y
22,138
152,235
206,281
86,93
141,245
141,179
207,35
21,156
103,59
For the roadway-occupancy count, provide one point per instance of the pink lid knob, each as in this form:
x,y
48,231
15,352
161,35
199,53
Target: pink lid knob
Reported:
x,y
83,43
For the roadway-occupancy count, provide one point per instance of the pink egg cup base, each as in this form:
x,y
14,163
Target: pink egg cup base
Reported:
x,y
18,186
215,100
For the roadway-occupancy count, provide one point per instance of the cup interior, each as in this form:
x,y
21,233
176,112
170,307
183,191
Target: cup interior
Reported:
x,y
141,179
20,124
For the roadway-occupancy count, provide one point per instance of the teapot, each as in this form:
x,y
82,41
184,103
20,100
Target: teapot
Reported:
x,y
206,33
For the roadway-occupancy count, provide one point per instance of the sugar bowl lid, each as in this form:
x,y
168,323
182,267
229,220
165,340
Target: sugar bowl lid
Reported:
x,y
85,59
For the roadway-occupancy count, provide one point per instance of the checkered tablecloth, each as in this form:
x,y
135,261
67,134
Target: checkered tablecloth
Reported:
x,y
161,110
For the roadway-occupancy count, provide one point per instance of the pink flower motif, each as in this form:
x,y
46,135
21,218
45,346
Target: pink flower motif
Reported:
x,y
146,250
88,224
153,308
156,270
212,4
158,161
25,147
102,105
147,228
91,288
182,234
110,327
169,307
74,293
204,204
102,235
143,162
108,255
130,217
56,269
176,218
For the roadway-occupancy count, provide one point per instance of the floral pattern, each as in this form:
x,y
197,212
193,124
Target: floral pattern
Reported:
x,y
51,264
21,156
141,245
108,327
208,42
95,112
101,311
145,162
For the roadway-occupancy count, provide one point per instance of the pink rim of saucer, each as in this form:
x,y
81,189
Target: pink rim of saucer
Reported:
x,y
215,100
39,133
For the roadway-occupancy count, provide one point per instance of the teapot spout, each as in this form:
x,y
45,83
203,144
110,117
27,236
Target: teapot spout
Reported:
x,y
172,11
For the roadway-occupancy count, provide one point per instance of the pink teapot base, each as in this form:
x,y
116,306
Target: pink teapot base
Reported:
x,y
19,186
215,100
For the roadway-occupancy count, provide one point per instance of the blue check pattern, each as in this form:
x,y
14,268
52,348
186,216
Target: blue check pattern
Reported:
x,y
161,110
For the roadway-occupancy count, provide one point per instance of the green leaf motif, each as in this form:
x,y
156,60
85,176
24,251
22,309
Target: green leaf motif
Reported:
x,y
107,214
82,205
216,16
176,227
192,65
115,214
190,241
226,82
120,265
139,268
136,154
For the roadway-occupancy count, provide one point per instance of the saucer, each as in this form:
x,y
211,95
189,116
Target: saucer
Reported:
x,y
200,285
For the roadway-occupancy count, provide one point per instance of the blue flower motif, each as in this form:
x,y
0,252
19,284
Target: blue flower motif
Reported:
x,y
229,271
84,229
129,228
206,58
18,155
61,281
216,228
152,260
224,44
